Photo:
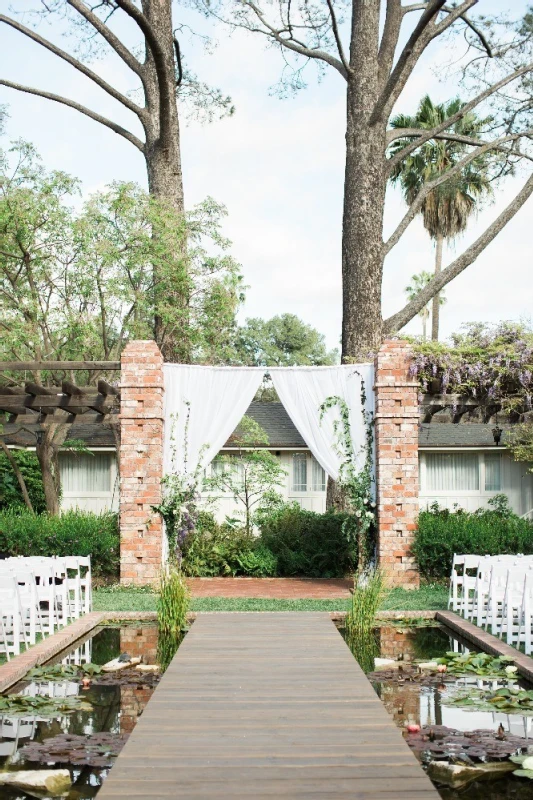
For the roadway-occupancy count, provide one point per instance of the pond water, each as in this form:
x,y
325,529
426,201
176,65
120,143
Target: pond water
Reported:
x,y
411,702
110,705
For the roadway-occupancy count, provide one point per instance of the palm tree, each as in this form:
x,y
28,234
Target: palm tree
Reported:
x,y
447,209
417,284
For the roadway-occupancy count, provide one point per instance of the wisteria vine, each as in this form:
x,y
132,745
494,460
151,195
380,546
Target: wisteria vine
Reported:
x,y
492,364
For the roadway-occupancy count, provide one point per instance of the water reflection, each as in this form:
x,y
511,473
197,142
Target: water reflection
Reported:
x,y
115,708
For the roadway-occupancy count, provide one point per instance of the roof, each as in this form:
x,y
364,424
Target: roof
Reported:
x,y
276,423
449,434
282,433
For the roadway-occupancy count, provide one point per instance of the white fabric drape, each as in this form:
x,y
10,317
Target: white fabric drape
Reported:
x,y
302,390
203,406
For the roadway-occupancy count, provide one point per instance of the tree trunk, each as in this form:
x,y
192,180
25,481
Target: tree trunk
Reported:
x,y
165,179
47,451
364,193
18,475
424,326
435,307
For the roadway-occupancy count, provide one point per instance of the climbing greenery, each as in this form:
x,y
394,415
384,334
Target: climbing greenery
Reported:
x,y
490,363
10,493
357,484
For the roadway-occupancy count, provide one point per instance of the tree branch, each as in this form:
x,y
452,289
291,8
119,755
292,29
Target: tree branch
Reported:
x,y
82,109
389,39
433,8
107,34
165,98
427,188
73,62
177,50
338,40
296,47
398,320
18,474
466,20
425,136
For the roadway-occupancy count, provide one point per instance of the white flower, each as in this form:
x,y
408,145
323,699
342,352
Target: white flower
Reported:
x,y
527,763
357,513
369,514
511,670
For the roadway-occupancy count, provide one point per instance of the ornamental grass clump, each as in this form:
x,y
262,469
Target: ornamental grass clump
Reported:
x,y
368,594
173,602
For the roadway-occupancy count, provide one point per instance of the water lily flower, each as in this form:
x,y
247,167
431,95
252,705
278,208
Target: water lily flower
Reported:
x,y
511,670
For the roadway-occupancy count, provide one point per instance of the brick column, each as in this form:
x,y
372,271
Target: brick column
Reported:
x,y
141,462
396,436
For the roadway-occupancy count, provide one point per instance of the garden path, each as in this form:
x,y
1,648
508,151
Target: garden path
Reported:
x,y
272,588
265,705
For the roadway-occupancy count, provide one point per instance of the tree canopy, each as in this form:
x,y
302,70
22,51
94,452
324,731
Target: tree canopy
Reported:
x,y
282,341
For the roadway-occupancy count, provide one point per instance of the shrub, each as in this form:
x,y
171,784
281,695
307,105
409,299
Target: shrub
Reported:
x,y
10,494
213,549
441,533
74,533
306,543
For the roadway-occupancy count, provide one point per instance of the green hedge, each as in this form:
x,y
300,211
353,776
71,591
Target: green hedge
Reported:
x,y
310,544
441,533
291,542
74,533
10,494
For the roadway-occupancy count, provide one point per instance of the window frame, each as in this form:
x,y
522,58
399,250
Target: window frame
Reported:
x,y
480,492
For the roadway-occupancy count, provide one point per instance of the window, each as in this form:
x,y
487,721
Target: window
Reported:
x,y
455,472
231,466
319,477
299,472
493,477
82,473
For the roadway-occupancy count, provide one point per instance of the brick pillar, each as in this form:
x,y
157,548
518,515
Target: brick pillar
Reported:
x,y
141,462
396,436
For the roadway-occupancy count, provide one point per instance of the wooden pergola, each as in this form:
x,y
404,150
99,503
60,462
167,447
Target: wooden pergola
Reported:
x,y
35,405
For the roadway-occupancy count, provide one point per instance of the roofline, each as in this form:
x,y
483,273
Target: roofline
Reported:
x,y
464,447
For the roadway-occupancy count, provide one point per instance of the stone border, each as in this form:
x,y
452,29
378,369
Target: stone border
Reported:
x,y
486,641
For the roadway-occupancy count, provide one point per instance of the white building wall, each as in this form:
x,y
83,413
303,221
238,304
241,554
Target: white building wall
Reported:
x,y
515,481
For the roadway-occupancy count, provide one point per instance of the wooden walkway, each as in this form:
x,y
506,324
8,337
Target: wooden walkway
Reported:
x,y
262,706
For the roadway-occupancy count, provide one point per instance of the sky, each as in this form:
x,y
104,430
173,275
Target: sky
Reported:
x,y
278,167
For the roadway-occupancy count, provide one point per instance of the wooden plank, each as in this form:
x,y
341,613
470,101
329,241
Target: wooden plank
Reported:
x,y
52,401
35,366
266,705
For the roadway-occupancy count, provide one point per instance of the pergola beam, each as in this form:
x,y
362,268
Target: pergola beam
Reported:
x,y
35,366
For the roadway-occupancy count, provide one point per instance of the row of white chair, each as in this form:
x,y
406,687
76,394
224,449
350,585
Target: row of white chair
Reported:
x,y
39,595
495,592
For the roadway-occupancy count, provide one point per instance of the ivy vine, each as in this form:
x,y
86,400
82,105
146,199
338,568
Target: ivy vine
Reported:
x,y
357,484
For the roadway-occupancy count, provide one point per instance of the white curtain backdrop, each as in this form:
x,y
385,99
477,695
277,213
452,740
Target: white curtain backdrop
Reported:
x,y
215,400
302,390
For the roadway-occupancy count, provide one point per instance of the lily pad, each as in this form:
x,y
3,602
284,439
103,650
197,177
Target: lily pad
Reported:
x,y
96,750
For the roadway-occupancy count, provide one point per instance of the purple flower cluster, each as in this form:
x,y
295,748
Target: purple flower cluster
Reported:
x,y
492,364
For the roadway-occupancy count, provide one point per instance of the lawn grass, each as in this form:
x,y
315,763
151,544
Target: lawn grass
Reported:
x,y
427,598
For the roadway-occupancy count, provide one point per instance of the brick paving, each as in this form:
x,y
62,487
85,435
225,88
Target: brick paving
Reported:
x,y
272,588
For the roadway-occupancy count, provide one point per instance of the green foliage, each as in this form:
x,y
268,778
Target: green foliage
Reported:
x,y
310,544
356,482
491,363
17,705
368,594
282,341
446,209
102,270
482,664
73,533
519,440
10,494
504,700
62,672
441,533
213,549
173,602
